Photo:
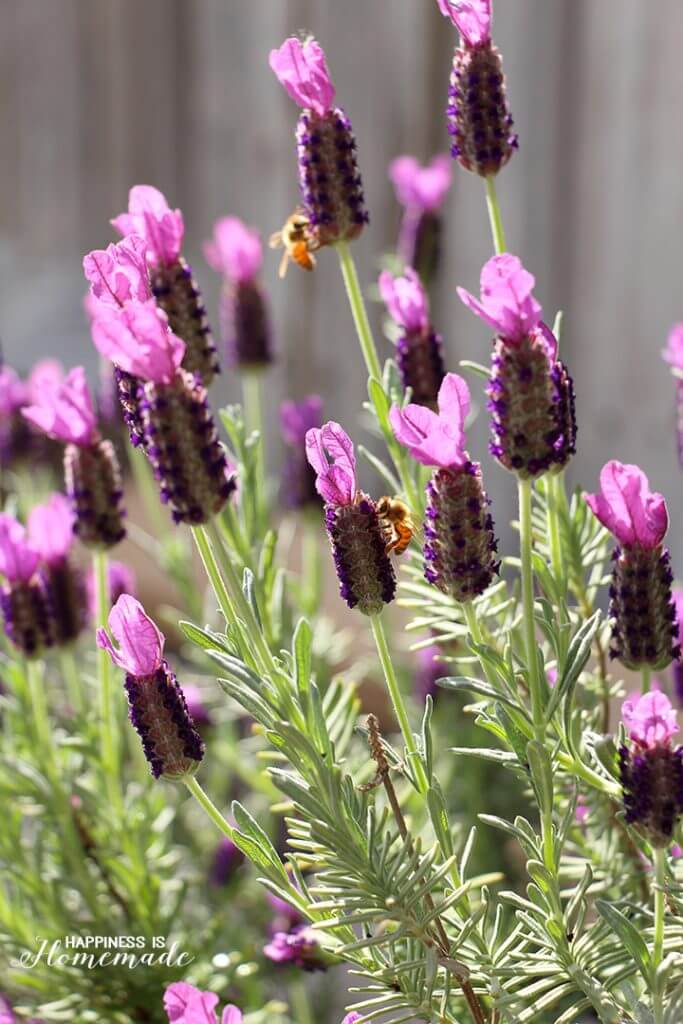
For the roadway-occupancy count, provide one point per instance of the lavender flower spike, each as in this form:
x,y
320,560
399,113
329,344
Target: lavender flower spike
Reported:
x,y
51,532
460,547
419,349
651,769
421,191
479,119
298,489
531,394
158,710
366,576
330,182
673,355
23,596
644,628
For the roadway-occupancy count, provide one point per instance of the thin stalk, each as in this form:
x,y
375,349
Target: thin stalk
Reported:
x,y
110,763
253,418
398,703
646,675
553,484
494,215
41,720
72,679
300,1003
201,539
524,487
658,946
209,806
358,310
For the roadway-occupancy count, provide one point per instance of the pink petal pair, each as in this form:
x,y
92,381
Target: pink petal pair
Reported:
x,y
507,304
186,1004
13,391
235,250
472,18
51,529
405,299
301,69
140,643
673,353
118,274
436,439
18,557
150,217
650,718
64,409
421,188
329,450
627,507
137,339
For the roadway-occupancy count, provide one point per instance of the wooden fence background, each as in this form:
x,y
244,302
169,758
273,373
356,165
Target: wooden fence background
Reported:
x,y
96,95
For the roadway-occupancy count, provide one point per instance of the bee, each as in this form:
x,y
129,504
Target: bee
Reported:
x,y
397,521
299,242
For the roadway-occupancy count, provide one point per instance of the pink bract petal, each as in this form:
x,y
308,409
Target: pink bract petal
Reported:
x,y
673,353
150,216
65,411
650,718
506,303
231,1015
118,273
50,529
137,339
405,299
436,439
140,642
472,18
301,69
235,250
18,558
627,507
296,418
421,188
336,479
47,374
186,1004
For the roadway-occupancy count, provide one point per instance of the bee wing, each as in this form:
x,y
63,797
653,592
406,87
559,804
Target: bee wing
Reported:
x,y
275,240
284,263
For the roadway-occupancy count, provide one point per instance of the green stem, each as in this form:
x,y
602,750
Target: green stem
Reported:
x,y
358,310
201,539
41,720
209,806
398,703
110,763
646,675
72,679
524,487
658,946
494,215
300,1003
253,418
553,484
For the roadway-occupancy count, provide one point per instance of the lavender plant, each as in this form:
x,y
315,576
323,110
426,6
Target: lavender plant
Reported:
x,y
358,824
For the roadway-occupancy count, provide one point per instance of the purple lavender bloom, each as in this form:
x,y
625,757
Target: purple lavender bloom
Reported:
x,y
358,539
421,191
419,349
298,488
429,669
651,769
351,1018
673,355
227,857
298,947
286,916
677,595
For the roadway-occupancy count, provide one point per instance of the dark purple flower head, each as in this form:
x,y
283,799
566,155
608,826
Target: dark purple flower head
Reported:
x,y
227,857
299,947
297,418
429,669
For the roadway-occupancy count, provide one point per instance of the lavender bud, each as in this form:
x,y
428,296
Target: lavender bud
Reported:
x,y
26,614
460,547
93,484
245,324
330,182
419,242
129,390
644,629
420,361
366,575
178,294
159,713
479,119
652,782
182,444
531,401
67,601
